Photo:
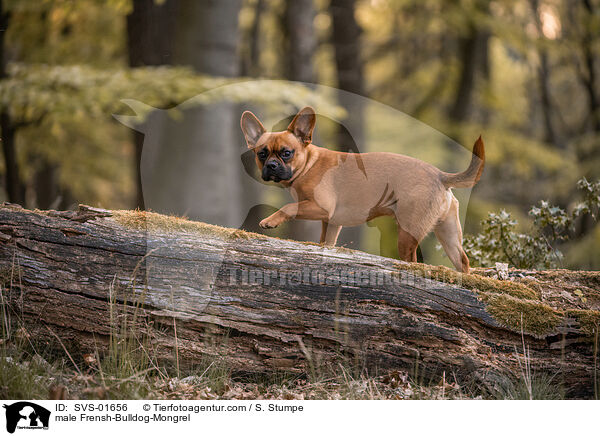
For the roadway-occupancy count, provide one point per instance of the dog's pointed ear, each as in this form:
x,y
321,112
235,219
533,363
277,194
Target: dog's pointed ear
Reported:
x,y
252,128
303,124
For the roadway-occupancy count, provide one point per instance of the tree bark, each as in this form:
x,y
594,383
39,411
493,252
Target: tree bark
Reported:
x,y
265,304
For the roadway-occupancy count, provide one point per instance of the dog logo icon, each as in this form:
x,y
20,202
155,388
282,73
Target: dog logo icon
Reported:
x,y
26,415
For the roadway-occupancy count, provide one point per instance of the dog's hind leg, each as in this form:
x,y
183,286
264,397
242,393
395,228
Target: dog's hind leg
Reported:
x,y
407,246
329,233
449,234
323,231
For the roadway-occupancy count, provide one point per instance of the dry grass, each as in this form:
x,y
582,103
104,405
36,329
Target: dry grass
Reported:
x,y
26,375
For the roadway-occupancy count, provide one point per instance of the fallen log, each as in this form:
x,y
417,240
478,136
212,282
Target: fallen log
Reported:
x,y
267,304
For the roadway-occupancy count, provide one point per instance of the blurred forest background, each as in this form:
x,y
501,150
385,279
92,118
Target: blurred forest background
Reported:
x,y
524,73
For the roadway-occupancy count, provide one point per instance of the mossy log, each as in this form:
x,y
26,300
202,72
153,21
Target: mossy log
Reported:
x,y
265,304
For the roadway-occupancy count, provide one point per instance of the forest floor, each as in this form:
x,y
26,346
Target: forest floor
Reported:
x,y
26,375
30,371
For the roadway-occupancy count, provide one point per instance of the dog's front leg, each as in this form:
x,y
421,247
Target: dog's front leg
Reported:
x,y
303,210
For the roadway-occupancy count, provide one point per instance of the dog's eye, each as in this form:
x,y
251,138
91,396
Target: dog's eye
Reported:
x,y
286,154
262,155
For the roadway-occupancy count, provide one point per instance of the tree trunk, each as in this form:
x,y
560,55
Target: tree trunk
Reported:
x,y
15,190
47,195
473,56
544,70
265,304
587,40
250,62
150,27
298,57
302,40
206,36
590,36
195,171
346,40
345,37
198,172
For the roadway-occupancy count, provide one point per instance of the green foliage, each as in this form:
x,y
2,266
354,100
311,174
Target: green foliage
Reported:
x,y
71,108
499,240
67,32
79,92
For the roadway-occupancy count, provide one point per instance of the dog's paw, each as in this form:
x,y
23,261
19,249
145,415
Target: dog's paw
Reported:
x,y
268,224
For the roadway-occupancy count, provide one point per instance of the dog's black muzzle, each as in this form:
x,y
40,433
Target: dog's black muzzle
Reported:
x,y
276,171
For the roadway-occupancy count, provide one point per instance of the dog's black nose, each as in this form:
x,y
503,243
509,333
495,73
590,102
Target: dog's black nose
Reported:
x,y
272,164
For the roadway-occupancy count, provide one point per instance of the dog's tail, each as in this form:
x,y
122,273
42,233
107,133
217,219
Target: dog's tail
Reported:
x,y
471,175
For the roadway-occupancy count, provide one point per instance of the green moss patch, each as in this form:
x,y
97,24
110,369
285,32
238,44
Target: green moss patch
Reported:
x,y
142,220
532,316
515,305
589,320
586,278
472,281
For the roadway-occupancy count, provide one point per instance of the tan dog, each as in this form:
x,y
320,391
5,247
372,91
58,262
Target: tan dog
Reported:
x,y
348,189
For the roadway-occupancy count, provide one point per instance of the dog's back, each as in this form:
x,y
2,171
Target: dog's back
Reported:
x,y
359,187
